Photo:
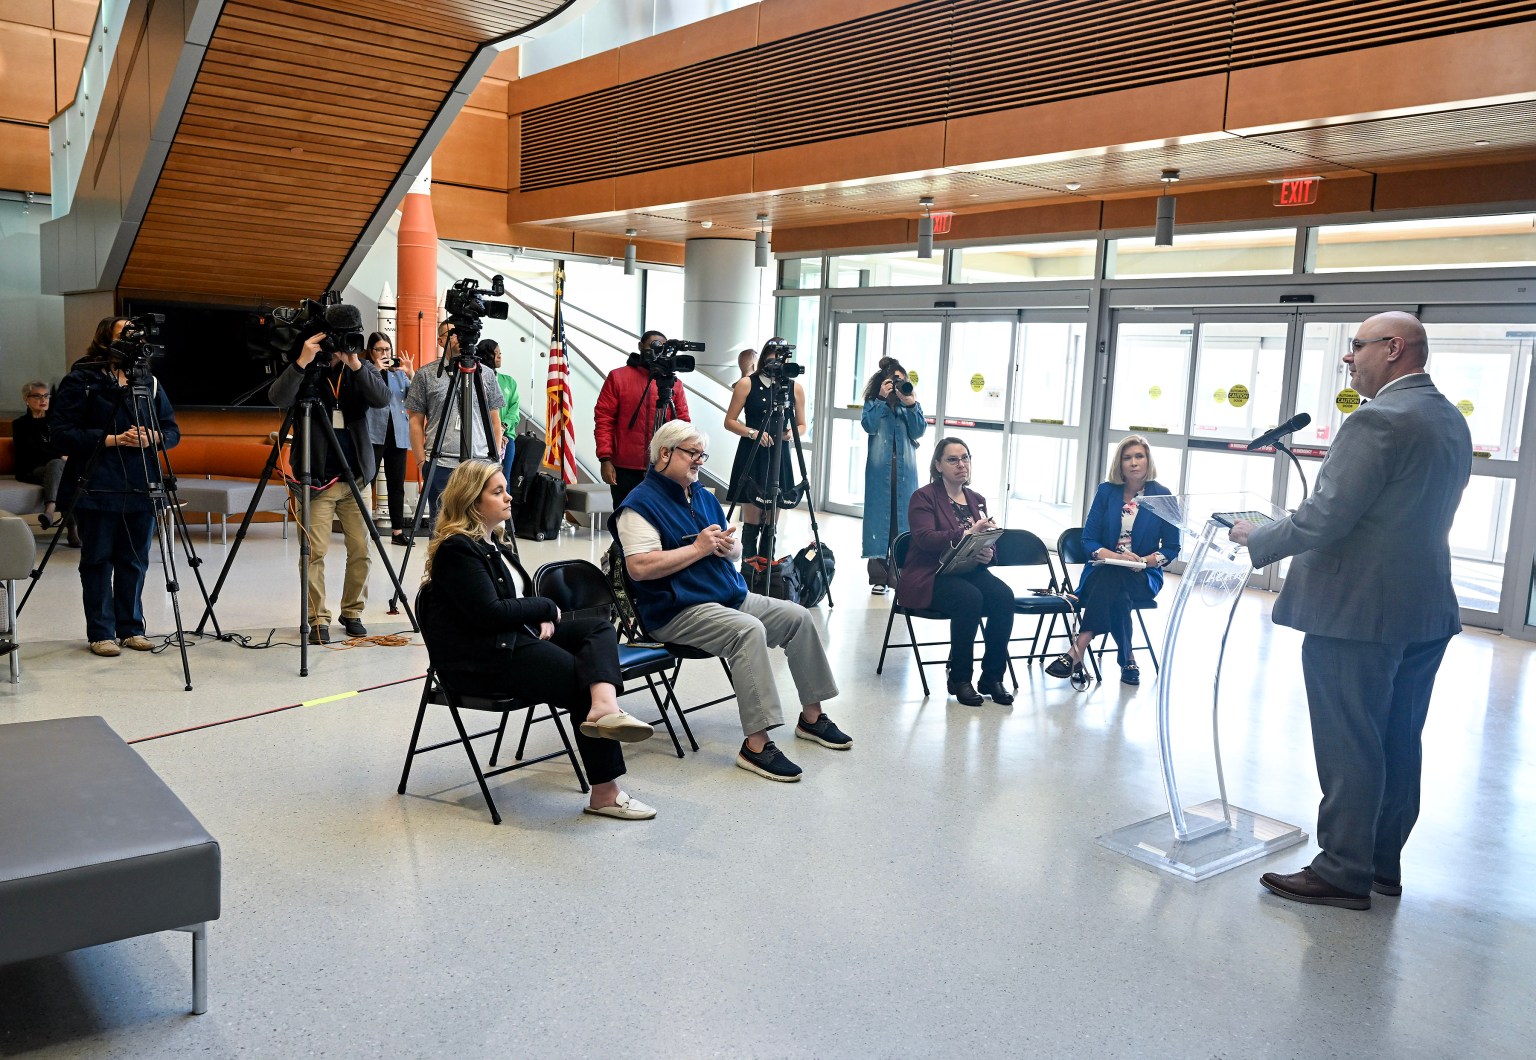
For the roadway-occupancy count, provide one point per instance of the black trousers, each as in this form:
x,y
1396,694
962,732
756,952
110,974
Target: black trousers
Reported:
x,y
628,480
392,458
560,671
1106,599
967,599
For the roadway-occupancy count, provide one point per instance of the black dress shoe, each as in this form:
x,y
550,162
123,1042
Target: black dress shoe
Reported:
x,y
966,693
319,634
1390,888
1061,666
1307,886
1130,674
994,687
354,627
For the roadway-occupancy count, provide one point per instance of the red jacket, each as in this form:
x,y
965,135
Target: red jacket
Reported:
x,y
935,531
622,392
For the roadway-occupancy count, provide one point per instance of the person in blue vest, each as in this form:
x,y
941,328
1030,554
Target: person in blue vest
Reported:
x,y
684,562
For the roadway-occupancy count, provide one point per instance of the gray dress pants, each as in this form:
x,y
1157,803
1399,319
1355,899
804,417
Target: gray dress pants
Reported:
x,y
742,638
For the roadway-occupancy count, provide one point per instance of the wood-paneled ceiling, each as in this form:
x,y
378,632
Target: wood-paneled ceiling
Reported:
x,y
1468,136
302,117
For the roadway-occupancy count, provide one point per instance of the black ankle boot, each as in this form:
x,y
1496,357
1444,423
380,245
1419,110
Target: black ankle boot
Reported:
x,y
994,687
965,692
749,534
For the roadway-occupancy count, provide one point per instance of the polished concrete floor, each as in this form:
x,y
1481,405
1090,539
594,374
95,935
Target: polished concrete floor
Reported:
x,y
936,891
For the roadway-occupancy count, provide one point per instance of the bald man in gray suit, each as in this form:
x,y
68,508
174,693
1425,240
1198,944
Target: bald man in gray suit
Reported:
x,y
1371,589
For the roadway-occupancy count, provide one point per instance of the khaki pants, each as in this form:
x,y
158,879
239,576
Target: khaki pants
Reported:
x,y
325,506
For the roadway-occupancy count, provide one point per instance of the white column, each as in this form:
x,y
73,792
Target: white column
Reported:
x,y
720,294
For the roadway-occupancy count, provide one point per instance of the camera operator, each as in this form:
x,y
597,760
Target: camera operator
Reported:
x,y
93,414
626,415
347,386
751,472
894,420
424,404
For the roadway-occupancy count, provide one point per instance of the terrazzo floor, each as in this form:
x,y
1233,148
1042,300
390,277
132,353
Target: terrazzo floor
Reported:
x,y
936,891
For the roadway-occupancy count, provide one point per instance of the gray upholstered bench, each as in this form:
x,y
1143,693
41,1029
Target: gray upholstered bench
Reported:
x,y
590,503
18,555
225,497
94,848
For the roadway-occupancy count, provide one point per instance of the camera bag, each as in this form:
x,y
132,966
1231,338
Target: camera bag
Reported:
x,y
813,588
527,455
783,578
539,517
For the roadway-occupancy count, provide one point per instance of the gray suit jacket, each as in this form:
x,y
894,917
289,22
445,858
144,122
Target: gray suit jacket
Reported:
x,y
1373,557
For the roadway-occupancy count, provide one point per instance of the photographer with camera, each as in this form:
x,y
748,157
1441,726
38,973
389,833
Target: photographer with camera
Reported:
x,y
426,404
389,430
347,386
95,423
894,420
625,416
752,470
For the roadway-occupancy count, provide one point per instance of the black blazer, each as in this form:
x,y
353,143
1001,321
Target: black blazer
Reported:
x,y
474,616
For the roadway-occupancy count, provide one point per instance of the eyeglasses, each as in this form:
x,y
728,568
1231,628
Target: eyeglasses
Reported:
x,y
957,459
381,349
38,397
698,456
1356,345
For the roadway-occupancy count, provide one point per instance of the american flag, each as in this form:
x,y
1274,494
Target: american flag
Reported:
x,y
560,432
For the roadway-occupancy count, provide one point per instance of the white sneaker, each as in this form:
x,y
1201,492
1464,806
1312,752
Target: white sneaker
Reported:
x,y
625,809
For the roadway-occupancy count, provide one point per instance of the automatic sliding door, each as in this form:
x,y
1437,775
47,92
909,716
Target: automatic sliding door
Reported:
x,y
1046,430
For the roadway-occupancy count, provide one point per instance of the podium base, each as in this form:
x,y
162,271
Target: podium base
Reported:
x,y
1214,846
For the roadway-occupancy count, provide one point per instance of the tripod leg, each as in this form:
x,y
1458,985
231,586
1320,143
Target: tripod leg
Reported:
x,y
427,474
810,508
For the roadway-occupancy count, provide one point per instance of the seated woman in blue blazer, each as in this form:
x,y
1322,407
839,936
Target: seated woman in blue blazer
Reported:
x,y
487,634
1118,527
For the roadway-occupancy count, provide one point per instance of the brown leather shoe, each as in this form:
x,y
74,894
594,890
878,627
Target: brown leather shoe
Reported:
x,y
1307,886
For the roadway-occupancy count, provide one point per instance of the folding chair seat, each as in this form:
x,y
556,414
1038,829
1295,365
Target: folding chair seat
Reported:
x,y
1024,550
899,556
436,691
1069,546
580,588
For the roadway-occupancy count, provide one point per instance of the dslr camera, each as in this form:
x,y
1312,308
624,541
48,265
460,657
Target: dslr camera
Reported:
x,y
900,387
781,367
341,324
135,344
666,359
467,306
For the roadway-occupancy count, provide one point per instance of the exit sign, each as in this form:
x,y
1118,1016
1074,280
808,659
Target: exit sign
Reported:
x,y
1302,192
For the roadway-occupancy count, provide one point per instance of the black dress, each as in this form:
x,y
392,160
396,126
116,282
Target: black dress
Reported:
x,y
754,462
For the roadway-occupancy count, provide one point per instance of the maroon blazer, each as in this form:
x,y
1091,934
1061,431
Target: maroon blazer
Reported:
x,y
935,531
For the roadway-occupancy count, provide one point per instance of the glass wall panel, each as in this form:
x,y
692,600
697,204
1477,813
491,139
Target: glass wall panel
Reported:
x,y
664,302
798,322
1238,377
1322,389
1018,262
609,302
800,273
979,355
1435,243
1484,370
1260,253
901,269
845,470
1048,383
1214,472
1479,537
1040,495
916,345
1151,376
859,349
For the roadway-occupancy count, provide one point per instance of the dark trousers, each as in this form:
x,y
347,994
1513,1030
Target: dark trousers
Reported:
x,y
435,487
560,671
1106,599
1368,704
114,555
47,476
628,480
967,599
392,459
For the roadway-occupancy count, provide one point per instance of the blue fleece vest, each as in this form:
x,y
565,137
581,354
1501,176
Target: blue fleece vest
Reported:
x,y
712,580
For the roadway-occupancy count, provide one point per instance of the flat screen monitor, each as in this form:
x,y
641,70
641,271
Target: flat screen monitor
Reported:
x,y
215,356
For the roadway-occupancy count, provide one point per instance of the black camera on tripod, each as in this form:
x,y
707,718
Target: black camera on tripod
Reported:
x,y
666,359
467,306
780,367
341,324
134,343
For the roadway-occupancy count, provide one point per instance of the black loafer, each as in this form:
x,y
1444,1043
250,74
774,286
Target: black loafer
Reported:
x,y
994,687
1307,886
1130,675
966,693
1061,666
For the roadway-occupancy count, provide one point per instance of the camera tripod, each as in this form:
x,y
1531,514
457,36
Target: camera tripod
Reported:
x,y
308,410
468,397
770,498
161,491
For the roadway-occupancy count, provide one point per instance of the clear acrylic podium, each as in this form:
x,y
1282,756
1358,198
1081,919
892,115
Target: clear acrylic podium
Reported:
x,y
1199,841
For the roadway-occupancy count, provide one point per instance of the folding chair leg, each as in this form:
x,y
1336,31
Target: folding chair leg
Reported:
x,y
661,705
527,724
565,739
1147,638
682,715
501,731
890,620
410,753
475,764
917,653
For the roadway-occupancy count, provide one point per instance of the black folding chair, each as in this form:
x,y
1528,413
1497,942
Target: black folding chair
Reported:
x,y
1069,546
436,691
899,549
1024,550
679,653
580,588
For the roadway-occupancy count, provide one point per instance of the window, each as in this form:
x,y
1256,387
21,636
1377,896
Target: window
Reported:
x,y
901,269
1014,263
1265,252
1438,243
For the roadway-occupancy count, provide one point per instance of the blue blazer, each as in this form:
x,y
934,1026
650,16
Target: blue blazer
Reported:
x,y
1148,533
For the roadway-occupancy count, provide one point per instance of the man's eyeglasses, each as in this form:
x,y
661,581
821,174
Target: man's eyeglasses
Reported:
x,y
957,459
698,456
1356,345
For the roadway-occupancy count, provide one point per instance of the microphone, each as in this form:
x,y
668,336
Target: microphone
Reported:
x,y
1290,426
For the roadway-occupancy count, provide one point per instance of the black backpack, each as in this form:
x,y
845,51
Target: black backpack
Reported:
x,y
813,588
539,517
783,578
527,456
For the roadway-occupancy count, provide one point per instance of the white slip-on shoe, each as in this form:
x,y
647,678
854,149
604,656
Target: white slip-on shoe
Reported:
x,y
622,726
625,809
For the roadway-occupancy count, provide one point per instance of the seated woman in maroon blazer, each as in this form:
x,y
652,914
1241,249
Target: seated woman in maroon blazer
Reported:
x,y
487,634
940,515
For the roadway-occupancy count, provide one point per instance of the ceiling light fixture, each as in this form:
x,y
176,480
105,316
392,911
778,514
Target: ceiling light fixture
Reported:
x,y
629,251
1163,232
760,243
925,228
1073,185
